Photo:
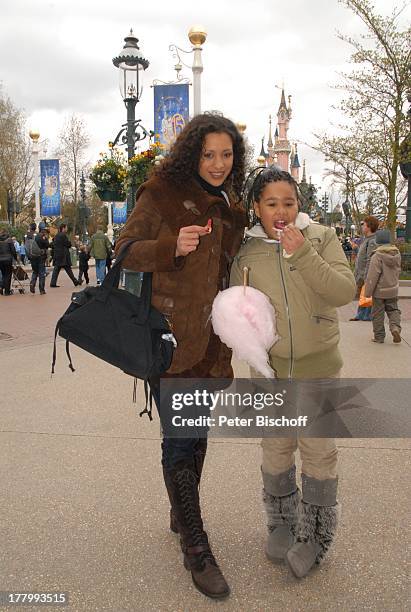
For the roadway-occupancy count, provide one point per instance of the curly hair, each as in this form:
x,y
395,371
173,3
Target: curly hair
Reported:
x,y
182,163
256,182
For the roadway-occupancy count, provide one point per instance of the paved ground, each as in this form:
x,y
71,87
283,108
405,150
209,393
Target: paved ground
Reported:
x,y
84,509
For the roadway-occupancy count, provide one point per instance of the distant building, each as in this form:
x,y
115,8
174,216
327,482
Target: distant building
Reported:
x,y
280,151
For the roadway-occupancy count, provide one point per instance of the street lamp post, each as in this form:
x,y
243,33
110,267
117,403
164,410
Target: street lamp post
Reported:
x,y
197,36
324,201
110,231
35,135
352,228
406,172
131,65
346,204
83,210
11,213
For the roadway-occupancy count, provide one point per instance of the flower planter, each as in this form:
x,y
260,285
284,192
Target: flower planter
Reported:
x,y
110,195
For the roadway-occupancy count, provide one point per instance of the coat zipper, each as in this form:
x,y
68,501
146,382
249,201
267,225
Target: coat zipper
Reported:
x,y
290,372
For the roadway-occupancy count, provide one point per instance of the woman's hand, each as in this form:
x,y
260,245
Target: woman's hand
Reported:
x,y
189,239
291,239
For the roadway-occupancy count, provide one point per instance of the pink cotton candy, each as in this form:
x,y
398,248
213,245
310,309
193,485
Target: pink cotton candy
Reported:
x,y
245,321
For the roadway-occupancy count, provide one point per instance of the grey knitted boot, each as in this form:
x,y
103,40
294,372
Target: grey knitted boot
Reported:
x,y
281,523
280,497
316,526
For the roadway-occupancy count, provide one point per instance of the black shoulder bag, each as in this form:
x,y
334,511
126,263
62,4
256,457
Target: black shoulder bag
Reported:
x,y
119,327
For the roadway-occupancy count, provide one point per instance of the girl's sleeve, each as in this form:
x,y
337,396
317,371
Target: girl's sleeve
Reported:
x,y
328,274
151,253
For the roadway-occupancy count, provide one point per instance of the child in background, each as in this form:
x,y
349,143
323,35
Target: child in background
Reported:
x,y
83,258
382,284
22,253
301,267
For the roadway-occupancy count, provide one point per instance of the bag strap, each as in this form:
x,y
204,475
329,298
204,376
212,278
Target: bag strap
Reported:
x,y
112,279
149,401
55,349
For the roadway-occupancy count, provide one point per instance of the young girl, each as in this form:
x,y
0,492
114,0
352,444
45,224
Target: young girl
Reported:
x,y
302,268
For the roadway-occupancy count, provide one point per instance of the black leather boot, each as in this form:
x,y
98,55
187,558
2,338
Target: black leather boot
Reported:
x,y
182,486
199,457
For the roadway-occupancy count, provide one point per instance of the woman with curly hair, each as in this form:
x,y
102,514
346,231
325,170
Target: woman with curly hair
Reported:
x,y
190,223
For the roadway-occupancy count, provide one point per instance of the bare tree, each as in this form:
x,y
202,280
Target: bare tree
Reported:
x,y
375,106
71,149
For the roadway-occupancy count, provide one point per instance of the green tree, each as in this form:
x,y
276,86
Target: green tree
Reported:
x,y
369,141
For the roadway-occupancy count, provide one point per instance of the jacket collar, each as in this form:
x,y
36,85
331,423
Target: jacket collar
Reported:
x,y
178,200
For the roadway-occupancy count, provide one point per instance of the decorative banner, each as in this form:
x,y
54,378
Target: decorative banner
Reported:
x,y
119,212
50,187
171,108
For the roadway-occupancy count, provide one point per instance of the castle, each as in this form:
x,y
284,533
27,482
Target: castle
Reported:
x,y
280,151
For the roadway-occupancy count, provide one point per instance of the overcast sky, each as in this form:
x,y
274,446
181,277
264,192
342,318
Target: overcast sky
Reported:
x,y
56,59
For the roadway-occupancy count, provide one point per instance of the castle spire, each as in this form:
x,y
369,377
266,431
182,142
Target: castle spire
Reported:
x,y
295,161
283,104
262,152
282,144
304,174
270,138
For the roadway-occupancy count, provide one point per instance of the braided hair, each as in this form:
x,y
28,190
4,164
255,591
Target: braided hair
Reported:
x,y
255,183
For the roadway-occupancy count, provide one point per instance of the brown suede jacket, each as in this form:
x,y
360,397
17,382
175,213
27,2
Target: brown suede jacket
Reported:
x,y
184,288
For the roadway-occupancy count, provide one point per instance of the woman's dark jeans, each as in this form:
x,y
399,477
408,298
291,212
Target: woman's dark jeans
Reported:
x,y
173,449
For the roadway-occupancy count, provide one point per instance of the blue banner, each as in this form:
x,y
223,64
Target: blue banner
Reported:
x,y
119,212
171,112
50,187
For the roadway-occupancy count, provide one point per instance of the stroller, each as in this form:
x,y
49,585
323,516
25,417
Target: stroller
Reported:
x,y
19,280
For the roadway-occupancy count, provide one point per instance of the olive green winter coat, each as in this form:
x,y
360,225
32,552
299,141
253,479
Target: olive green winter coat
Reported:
x,y
100,246
305,289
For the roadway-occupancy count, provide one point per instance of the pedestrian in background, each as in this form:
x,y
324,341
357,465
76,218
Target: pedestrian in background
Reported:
x,y
109,261
22,253
61,256
347,248
38,262
17,247
83,258
367,247
382,285
100,249
7,254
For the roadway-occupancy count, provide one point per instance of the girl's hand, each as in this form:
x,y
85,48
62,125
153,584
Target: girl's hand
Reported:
x,y
291,238
189,239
